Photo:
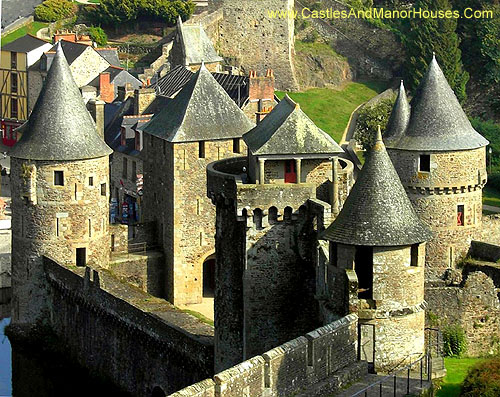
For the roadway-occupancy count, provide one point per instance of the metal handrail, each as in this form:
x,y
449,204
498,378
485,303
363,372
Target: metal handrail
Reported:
x,y
428,360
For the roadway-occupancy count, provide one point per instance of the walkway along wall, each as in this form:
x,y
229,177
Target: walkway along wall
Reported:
x,y
140,344
318,363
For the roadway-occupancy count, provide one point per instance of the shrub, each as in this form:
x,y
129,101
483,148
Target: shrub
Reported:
x,y
54,10
370,117
98,35
483,380
454,342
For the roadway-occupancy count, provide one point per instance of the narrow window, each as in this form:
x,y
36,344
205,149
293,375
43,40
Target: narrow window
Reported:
x,y
460,215
123,137
201,150
201,239
451,257
363,266
273,215
59,178
424,164
164,147
198,206
414,255
90,227
257,218
124,170
13,83
57,227
287,216
103,189
333,254
236,145
76,191
13,60
133,176
91,181
13,108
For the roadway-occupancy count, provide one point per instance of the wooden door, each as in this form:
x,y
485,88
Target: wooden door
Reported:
x,y
290,172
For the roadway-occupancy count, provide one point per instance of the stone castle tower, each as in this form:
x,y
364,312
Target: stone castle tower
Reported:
x,y
376,264
441,161
200,125
266,227
60,193
256,41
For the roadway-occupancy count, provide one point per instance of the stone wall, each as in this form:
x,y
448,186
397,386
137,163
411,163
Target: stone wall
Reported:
x,y
254,41
318,363
110,328
56,221
175,197
124,180
455,178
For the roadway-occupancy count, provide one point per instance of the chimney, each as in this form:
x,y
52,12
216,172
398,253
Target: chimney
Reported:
x,y
261,88
96,109
106,89
143,98
125,92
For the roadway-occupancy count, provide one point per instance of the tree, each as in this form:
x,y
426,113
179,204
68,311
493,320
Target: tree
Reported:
x,y
116,12
428,35
369,118
98,35
54,10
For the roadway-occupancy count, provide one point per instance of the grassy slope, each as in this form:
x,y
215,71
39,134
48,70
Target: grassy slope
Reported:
x,y
456,371
31,28
330,109
491,196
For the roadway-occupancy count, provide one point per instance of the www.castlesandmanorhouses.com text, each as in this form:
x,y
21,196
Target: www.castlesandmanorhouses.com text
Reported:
x,y
376,13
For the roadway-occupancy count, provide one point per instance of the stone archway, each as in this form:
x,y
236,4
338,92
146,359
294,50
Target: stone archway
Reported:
x,y
208,278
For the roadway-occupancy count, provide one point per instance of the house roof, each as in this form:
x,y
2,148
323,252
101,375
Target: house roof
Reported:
x,y
60,127
437,121
71,51
26,44
201,111
377,212
196,46
110,55
399,118
288,130
235,86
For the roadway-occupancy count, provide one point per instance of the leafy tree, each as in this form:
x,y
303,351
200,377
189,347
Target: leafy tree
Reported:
x,y
369,118
437,35
116,12
54,10
98,35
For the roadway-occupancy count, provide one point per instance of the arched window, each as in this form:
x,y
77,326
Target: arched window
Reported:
x,y
273,215
257,218
287,216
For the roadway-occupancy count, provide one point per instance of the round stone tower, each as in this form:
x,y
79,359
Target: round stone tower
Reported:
x,y
59,174
377,251
441,161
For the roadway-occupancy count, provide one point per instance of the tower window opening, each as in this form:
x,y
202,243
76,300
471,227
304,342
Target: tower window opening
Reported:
x,y
91,181
363,266
414,255
103,189
333,254
236,145
460,215
287,215
424,164
81,257
59,178
257,218
201,150
273,214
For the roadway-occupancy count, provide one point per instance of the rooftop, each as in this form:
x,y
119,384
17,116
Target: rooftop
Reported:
x,y
26,43
288,130
377,212
437,121
60,127
201,111
196,46
400,117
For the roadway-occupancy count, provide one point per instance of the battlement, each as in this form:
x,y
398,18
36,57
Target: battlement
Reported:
x,y
327,355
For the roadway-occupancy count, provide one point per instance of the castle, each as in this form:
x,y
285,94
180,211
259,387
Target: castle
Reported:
x,y
311,269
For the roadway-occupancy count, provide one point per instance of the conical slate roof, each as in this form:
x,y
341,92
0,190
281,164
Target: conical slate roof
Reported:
x,y
196,45
400,117
60,127
288,130
437,121
377,212
202,111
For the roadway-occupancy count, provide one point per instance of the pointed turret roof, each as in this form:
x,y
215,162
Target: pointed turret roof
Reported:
x,y
400,117
288,130
202,111
377,212
438,122
60,127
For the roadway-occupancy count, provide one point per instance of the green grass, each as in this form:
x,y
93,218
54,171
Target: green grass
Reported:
x,y
199,316
456,371
31,28
491,196
330,109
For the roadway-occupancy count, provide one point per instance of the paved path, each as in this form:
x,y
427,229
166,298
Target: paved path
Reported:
x,y
491,208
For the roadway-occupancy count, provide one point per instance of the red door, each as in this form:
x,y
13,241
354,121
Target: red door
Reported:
x,y
290,172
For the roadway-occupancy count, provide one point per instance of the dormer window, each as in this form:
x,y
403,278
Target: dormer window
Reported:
x,y
424,163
